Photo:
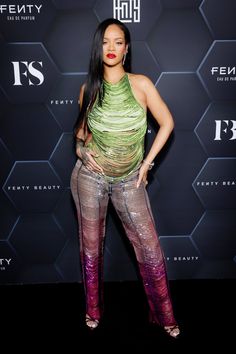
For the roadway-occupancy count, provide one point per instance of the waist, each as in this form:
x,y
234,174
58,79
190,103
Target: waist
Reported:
x,y
118,163
107,179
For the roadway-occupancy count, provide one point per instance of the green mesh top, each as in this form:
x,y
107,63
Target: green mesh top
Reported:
x,y
118,128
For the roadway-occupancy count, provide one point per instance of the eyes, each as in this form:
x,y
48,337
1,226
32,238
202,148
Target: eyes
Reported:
x,y
119,43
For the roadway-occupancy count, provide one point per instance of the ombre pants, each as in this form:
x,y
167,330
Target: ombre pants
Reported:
x,y
91,193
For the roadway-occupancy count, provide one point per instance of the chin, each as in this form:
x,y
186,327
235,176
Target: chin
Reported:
x,y
111,64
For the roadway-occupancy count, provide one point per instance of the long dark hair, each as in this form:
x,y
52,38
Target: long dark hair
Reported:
x,y
93,85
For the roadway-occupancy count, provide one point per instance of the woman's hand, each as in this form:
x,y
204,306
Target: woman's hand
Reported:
x,y
86,156
143,171
145,167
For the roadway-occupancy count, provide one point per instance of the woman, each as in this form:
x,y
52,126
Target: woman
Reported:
x,y
110,145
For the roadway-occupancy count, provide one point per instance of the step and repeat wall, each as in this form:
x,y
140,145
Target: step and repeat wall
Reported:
x,y
188,49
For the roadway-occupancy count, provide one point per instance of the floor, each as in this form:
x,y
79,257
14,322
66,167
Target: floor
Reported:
x,y
52,315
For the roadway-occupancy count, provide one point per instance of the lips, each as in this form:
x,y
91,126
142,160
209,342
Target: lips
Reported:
x,y
111,56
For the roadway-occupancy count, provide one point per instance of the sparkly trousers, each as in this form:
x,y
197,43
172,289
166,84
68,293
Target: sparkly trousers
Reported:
x,y
91,193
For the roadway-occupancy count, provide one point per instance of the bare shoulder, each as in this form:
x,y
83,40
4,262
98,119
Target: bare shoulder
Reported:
x,y
141,82
140,79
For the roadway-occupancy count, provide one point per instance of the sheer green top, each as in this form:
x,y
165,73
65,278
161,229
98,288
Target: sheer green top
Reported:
x,y
118,129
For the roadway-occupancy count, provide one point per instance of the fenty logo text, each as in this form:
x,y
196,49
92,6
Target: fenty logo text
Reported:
x,y
126,10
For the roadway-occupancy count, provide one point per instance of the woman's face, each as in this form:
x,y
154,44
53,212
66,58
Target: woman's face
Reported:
x,y
114,46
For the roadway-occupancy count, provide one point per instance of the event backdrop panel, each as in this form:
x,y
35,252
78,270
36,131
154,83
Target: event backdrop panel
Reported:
x,y
188,49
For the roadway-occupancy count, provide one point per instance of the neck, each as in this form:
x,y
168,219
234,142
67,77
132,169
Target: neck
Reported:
x,y
113,74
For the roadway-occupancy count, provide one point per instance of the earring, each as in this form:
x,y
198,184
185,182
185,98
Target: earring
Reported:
x,y
124,57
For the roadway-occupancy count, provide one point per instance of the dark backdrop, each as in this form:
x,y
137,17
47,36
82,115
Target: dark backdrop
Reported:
x,y
188,49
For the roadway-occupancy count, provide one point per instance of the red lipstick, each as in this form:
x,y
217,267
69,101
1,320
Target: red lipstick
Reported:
x,y
111,56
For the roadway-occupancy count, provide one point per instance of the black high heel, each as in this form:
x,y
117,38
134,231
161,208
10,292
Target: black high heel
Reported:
x,y
90,322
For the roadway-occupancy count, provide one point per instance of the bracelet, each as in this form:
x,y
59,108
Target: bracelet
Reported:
x,y
151,164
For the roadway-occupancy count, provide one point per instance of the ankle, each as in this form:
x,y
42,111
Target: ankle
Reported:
x,y
172,331
91,322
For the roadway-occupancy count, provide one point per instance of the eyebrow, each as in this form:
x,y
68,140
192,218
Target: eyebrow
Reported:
x,y
114,38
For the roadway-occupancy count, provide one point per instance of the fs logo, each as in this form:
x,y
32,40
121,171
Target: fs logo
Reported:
x,y
126,10
223,126
27,69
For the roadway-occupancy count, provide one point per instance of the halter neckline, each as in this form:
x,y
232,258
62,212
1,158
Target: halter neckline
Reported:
x,y
115,83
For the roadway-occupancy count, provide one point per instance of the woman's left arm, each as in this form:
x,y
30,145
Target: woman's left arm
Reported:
x,y
162,115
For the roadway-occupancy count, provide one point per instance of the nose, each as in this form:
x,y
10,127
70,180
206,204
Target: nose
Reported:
x,y
111,46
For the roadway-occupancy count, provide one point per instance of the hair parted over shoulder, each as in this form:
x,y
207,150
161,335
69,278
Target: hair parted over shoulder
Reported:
x,y
93,85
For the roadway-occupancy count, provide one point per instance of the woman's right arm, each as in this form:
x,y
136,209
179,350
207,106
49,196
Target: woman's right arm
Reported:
x,y
82,131
82,138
